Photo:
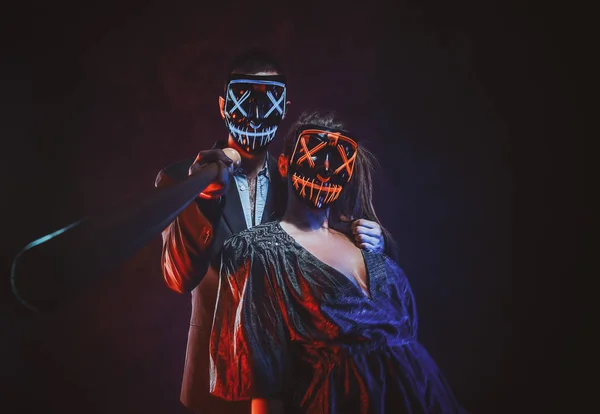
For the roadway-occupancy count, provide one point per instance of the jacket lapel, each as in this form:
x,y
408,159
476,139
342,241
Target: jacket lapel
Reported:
x,y
275,194
233,213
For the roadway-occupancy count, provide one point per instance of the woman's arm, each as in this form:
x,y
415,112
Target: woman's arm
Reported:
x,y
266,406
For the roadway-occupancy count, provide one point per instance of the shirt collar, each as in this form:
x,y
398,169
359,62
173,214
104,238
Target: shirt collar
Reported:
x,y
264,171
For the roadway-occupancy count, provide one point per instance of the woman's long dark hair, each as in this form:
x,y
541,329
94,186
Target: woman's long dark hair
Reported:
x,y
356,200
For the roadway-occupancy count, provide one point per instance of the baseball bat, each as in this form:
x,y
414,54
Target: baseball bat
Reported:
x,y
53,269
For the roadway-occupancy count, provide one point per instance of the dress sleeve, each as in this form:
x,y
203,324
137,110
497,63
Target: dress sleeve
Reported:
x,y
249,341
399,286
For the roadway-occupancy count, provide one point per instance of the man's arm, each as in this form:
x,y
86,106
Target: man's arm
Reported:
x,y
186,241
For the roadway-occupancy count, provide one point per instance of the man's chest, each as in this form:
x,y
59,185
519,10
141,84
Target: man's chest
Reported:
x,y
253,193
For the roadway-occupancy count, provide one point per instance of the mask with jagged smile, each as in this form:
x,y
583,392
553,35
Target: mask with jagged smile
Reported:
x,y
321,164
254,108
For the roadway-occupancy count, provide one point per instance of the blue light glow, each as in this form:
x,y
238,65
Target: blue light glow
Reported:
x,y
34,243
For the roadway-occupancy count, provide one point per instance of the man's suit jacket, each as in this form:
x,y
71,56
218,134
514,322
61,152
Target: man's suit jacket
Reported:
x,y
190,243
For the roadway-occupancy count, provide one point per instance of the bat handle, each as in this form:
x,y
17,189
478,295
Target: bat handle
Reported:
x,y
54,268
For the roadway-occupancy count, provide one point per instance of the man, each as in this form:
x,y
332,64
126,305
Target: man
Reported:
x,y
253,106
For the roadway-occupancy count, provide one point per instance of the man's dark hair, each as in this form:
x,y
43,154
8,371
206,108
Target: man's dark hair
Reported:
x,y
253,61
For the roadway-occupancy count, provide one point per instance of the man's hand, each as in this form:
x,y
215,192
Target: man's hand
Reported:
x,y
220,185
368,235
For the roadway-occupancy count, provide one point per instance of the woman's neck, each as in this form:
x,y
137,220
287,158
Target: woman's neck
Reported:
x,y
304,218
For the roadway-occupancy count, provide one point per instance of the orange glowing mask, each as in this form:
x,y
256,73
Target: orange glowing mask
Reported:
x,y
321,164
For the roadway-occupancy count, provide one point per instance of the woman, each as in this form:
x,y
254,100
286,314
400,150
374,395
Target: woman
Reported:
x,y
305,321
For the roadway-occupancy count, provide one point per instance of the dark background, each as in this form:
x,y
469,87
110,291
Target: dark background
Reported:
x,y
464,105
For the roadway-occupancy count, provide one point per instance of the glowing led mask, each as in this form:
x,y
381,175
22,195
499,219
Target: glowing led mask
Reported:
x,y
321,164
254,108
